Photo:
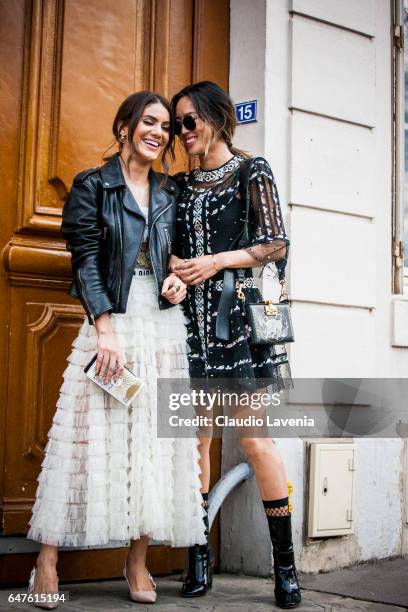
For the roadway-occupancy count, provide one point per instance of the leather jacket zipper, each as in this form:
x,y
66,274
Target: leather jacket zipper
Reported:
x,y
88,310
150,238
120,258
166,231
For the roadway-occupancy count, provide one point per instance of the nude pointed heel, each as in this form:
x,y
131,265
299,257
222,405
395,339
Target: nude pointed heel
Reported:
x,y
141,596
45,605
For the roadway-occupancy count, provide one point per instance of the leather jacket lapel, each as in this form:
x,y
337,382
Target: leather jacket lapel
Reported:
x,y
111,174
112,178
159,197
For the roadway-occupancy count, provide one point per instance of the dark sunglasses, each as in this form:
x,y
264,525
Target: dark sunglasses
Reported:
x,y
189,123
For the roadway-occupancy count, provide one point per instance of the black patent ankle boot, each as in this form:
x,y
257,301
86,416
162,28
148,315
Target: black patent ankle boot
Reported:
x,y
287,590
199,575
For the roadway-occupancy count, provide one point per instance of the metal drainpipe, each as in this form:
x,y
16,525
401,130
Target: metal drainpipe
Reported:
x,y
224,486
397,150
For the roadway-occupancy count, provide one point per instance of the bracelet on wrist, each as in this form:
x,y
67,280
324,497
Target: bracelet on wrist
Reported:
x,y
217,268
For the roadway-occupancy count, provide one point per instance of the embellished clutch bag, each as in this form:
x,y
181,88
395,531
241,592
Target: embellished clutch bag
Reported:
x,y
124,389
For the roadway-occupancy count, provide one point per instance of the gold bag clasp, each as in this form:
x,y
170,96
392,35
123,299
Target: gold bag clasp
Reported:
x,y
270,309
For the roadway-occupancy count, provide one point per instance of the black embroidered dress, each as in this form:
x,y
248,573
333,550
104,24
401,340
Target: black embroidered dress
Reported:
x,y
210,216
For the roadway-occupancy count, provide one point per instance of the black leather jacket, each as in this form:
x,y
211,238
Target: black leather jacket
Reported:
x,y
104,236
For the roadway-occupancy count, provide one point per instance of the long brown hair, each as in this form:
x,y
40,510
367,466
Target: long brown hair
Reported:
x,y
214,106
129,114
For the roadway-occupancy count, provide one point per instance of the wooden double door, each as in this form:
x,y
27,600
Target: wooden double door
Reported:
x,y
65,65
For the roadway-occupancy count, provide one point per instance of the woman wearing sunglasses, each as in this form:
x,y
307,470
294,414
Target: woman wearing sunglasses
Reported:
x,y
107,476
210,219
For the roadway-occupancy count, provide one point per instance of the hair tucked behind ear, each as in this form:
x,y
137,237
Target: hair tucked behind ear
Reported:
x,y
214,106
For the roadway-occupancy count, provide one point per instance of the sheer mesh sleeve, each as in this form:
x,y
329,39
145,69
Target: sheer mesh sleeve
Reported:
x,y
267,228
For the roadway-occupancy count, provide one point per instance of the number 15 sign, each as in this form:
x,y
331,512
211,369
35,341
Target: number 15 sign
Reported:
x,y
246,111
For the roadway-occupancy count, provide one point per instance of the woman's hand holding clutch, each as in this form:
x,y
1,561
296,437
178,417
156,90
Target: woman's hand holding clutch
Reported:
x,y
109,362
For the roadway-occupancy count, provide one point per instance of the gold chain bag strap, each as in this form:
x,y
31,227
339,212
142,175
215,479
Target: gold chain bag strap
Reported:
x,y
270,323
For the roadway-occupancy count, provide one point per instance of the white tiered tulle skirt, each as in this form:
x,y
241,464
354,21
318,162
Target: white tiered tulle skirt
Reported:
x,y
106,476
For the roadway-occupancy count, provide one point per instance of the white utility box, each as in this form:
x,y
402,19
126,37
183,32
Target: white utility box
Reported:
x,y
331,489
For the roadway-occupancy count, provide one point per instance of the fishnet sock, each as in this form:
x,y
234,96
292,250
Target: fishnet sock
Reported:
x,y
276,507
281,511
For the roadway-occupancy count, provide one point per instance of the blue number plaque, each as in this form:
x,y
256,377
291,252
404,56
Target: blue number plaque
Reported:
x,y
246,111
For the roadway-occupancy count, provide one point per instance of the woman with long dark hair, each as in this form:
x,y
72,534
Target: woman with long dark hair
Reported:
x,y
106,476
211,220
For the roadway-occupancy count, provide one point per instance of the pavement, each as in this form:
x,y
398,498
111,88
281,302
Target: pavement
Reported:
x,y
369,587
385,581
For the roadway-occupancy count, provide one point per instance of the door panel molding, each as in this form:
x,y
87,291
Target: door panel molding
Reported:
x,y
34,261
41,332
41,191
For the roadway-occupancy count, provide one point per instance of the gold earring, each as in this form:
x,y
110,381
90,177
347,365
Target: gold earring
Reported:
x,y
122,138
